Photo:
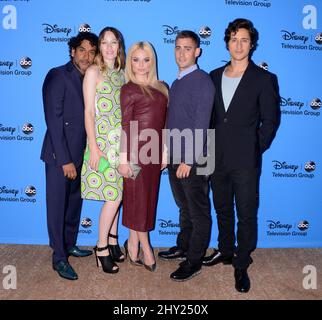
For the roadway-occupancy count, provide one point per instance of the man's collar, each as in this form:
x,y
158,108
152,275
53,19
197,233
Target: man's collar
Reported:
x,y
187,71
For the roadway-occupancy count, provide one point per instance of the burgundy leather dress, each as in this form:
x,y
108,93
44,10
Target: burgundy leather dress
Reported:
x,y
145,112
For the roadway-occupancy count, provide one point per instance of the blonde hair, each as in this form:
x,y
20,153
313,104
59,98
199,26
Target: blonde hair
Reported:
x,y
120,59
152,76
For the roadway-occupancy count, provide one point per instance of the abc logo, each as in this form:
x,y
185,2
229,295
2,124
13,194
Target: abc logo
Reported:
x,y
86,223
303,225
318,38
263,65
84,28
310,166
316,104
205,32
25,62
27,128
30,191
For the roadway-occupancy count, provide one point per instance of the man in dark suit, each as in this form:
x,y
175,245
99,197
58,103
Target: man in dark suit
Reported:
x,y
245,118
63,150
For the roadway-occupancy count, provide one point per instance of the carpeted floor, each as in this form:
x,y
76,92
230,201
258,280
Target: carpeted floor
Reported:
x,y
276,274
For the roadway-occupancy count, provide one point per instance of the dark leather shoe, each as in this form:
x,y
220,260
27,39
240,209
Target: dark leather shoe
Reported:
x,y
174,253
76,252
242,282
215,258
185,272
65,270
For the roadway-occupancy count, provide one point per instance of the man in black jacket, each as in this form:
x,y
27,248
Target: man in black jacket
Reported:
x,y
245,118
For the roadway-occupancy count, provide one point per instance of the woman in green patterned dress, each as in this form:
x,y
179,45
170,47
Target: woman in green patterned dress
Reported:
x,y
101,87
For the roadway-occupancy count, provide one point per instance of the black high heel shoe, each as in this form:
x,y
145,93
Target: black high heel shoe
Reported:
x,y
106,262
115,250
137,262
151,267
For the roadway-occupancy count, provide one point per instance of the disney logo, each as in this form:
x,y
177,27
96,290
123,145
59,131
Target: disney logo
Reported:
x,y
8,64
5,190
168,224
283,165
290,103
293,36
50,29
170,31
8,129
278,225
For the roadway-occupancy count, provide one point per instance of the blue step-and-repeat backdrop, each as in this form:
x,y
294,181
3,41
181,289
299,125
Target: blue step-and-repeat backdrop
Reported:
x,y
34,35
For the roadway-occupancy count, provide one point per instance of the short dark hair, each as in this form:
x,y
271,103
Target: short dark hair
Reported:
x,y
76,41
189,34
241,23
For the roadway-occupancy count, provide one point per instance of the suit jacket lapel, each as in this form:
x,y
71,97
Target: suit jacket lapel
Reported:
x,y
219,90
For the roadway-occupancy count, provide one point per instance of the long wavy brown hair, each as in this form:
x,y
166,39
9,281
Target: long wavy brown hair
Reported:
x,y
120,59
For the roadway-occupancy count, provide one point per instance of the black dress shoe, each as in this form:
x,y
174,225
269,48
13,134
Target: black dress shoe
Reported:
x,y
215,258
65,270
76,252
242,282
185,272
174,253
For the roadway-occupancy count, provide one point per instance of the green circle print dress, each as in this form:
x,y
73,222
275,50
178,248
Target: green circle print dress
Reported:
x,y
107,185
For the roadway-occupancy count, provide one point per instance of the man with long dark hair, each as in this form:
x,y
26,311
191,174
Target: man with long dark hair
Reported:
x,y
245,118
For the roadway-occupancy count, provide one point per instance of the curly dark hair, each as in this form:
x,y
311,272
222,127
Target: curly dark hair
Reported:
x,y
76,41
241,23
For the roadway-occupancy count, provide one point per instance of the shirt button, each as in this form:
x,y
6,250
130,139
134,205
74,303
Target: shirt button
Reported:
x,y
66,123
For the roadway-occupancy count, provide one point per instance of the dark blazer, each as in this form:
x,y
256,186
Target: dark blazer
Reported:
x,y
248,127
65,138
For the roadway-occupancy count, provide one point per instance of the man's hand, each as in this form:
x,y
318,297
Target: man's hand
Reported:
x,y
183,171
70,171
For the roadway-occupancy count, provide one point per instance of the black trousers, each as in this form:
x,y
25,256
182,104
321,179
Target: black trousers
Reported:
x,y
240,186
64,204
191,196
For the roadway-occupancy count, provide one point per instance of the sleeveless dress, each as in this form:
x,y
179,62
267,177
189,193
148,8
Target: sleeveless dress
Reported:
x,y
106,186
140,195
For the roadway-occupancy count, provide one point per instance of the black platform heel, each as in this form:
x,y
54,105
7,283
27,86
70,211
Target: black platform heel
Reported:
x,y
115,250
137,262
106,262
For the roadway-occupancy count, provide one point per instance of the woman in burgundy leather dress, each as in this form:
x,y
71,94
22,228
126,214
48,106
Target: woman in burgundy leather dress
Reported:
x,y
144,102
